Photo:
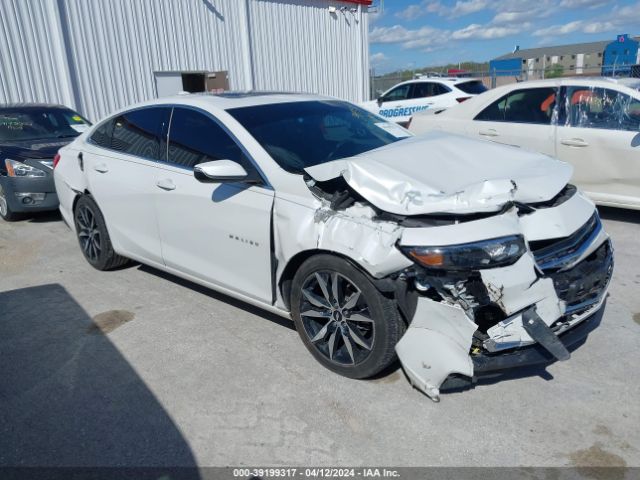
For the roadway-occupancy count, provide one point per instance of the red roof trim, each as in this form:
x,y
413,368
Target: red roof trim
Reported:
x,y
359,2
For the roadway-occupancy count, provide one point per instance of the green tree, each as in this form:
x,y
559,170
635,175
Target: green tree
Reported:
x,y
554,71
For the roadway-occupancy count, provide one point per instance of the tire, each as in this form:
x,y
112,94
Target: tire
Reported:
x,y
5,210
93,236
365,327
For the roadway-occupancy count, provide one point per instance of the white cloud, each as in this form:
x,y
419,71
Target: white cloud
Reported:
x,y
483,32
421,9
616,19
511,17
461,8
582,3
465,7
555,30
378,59
409,38
394,34
598,27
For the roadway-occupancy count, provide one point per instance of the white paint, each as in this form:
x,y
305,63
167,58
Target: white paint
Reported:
x,y
436,345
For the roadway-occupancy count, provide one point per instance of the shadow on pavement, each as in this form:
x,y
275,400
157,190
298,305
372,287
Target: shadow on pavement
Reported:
x,y
69,398
221,297
42,217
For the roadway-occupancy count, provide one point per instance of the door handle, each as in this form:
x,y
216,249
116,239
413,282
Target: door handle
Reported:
x,y
101,167
574,142
166,184
488,133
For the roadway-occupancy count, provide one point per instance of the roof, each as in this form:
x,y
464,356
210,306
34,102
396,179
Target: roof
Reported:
x,y
444,80
230,99
556,50
574,80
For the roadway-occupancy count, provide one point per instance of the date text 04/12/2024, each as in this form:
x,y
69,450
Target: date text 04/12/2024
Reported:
x,y
315,472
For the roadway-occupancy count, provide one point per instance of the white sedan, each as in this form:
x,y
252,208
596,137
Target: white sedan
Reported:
x,y
591,123
322,212
402,101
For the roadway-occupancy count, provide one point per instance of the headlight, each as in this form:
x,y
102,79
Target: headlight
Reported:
x,y
485,254
22,170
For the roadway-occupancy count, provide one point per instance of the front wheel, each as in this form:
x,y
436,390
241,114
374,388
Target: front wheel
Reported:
x,y
343,320
93,236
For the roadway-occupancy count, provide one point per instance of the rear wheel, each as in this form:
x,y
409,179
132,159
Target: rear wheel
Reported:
x,y
5,211
343,320
93,236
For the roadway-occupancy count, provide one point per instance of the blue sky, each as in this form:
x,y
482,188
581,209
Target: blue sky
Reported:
x,y
406,34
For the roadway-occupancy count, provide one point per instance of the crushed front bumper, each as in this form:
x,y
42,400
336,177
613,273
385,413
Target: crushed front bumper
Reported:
x,y
545,313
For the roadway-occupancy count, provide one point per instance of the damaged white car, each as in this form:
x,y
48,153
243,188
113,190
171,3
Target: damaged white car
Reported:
x,y
460,257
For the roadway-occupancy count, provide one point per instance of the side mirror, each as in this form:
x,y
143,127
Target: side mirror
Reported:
x,y
220,171
380,101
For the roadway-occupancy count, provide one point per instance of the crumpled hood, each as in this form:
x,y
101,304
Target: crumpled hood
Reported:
x,y
443,173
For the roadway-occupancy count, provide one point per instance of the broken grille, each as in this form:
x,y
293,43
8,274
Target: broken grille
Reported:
x,y
556,254
583,285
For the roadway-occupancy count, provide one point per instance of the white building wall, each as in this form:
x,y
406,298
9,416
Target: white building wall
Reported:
x,y
311,50
98,56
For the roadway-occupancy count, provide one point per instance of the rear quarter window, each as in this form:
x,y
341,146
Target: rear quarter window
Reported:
x,y
474,87
103,133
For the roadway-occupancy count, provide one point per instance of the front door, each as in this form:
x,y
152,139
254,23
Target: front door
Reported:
x,y
523,117
216,232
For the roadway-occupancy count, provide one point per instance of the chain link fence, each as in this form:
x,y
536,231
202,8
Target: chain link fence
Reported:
x,y
381,83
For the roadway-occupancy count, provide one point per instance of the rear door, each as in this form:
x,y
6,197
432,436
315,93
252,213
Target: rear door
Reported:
x,y
216,232
599,134
425,95
121,171
523,117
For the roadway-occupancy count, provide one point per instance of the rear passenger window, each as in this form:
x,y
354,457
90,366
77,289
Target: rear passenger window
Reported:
x,y
196,138
533,105
421,90
139,132
474,87
102,136
428,89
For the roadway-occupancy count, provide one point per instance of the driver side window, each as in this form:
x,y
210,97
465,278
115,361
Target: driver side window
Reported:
x,y
195,138
399,93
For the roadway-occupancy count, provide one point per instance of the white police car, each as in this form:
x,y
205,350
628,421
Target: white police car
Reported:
x,y
400,102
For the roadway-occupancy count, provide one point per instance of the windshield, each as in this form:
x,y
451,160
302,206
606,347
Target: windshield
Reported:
x,y
21,124
303,134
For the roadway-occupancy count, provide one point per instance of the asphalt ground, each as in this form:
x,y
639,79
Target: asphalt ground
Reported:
x,y
139,368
